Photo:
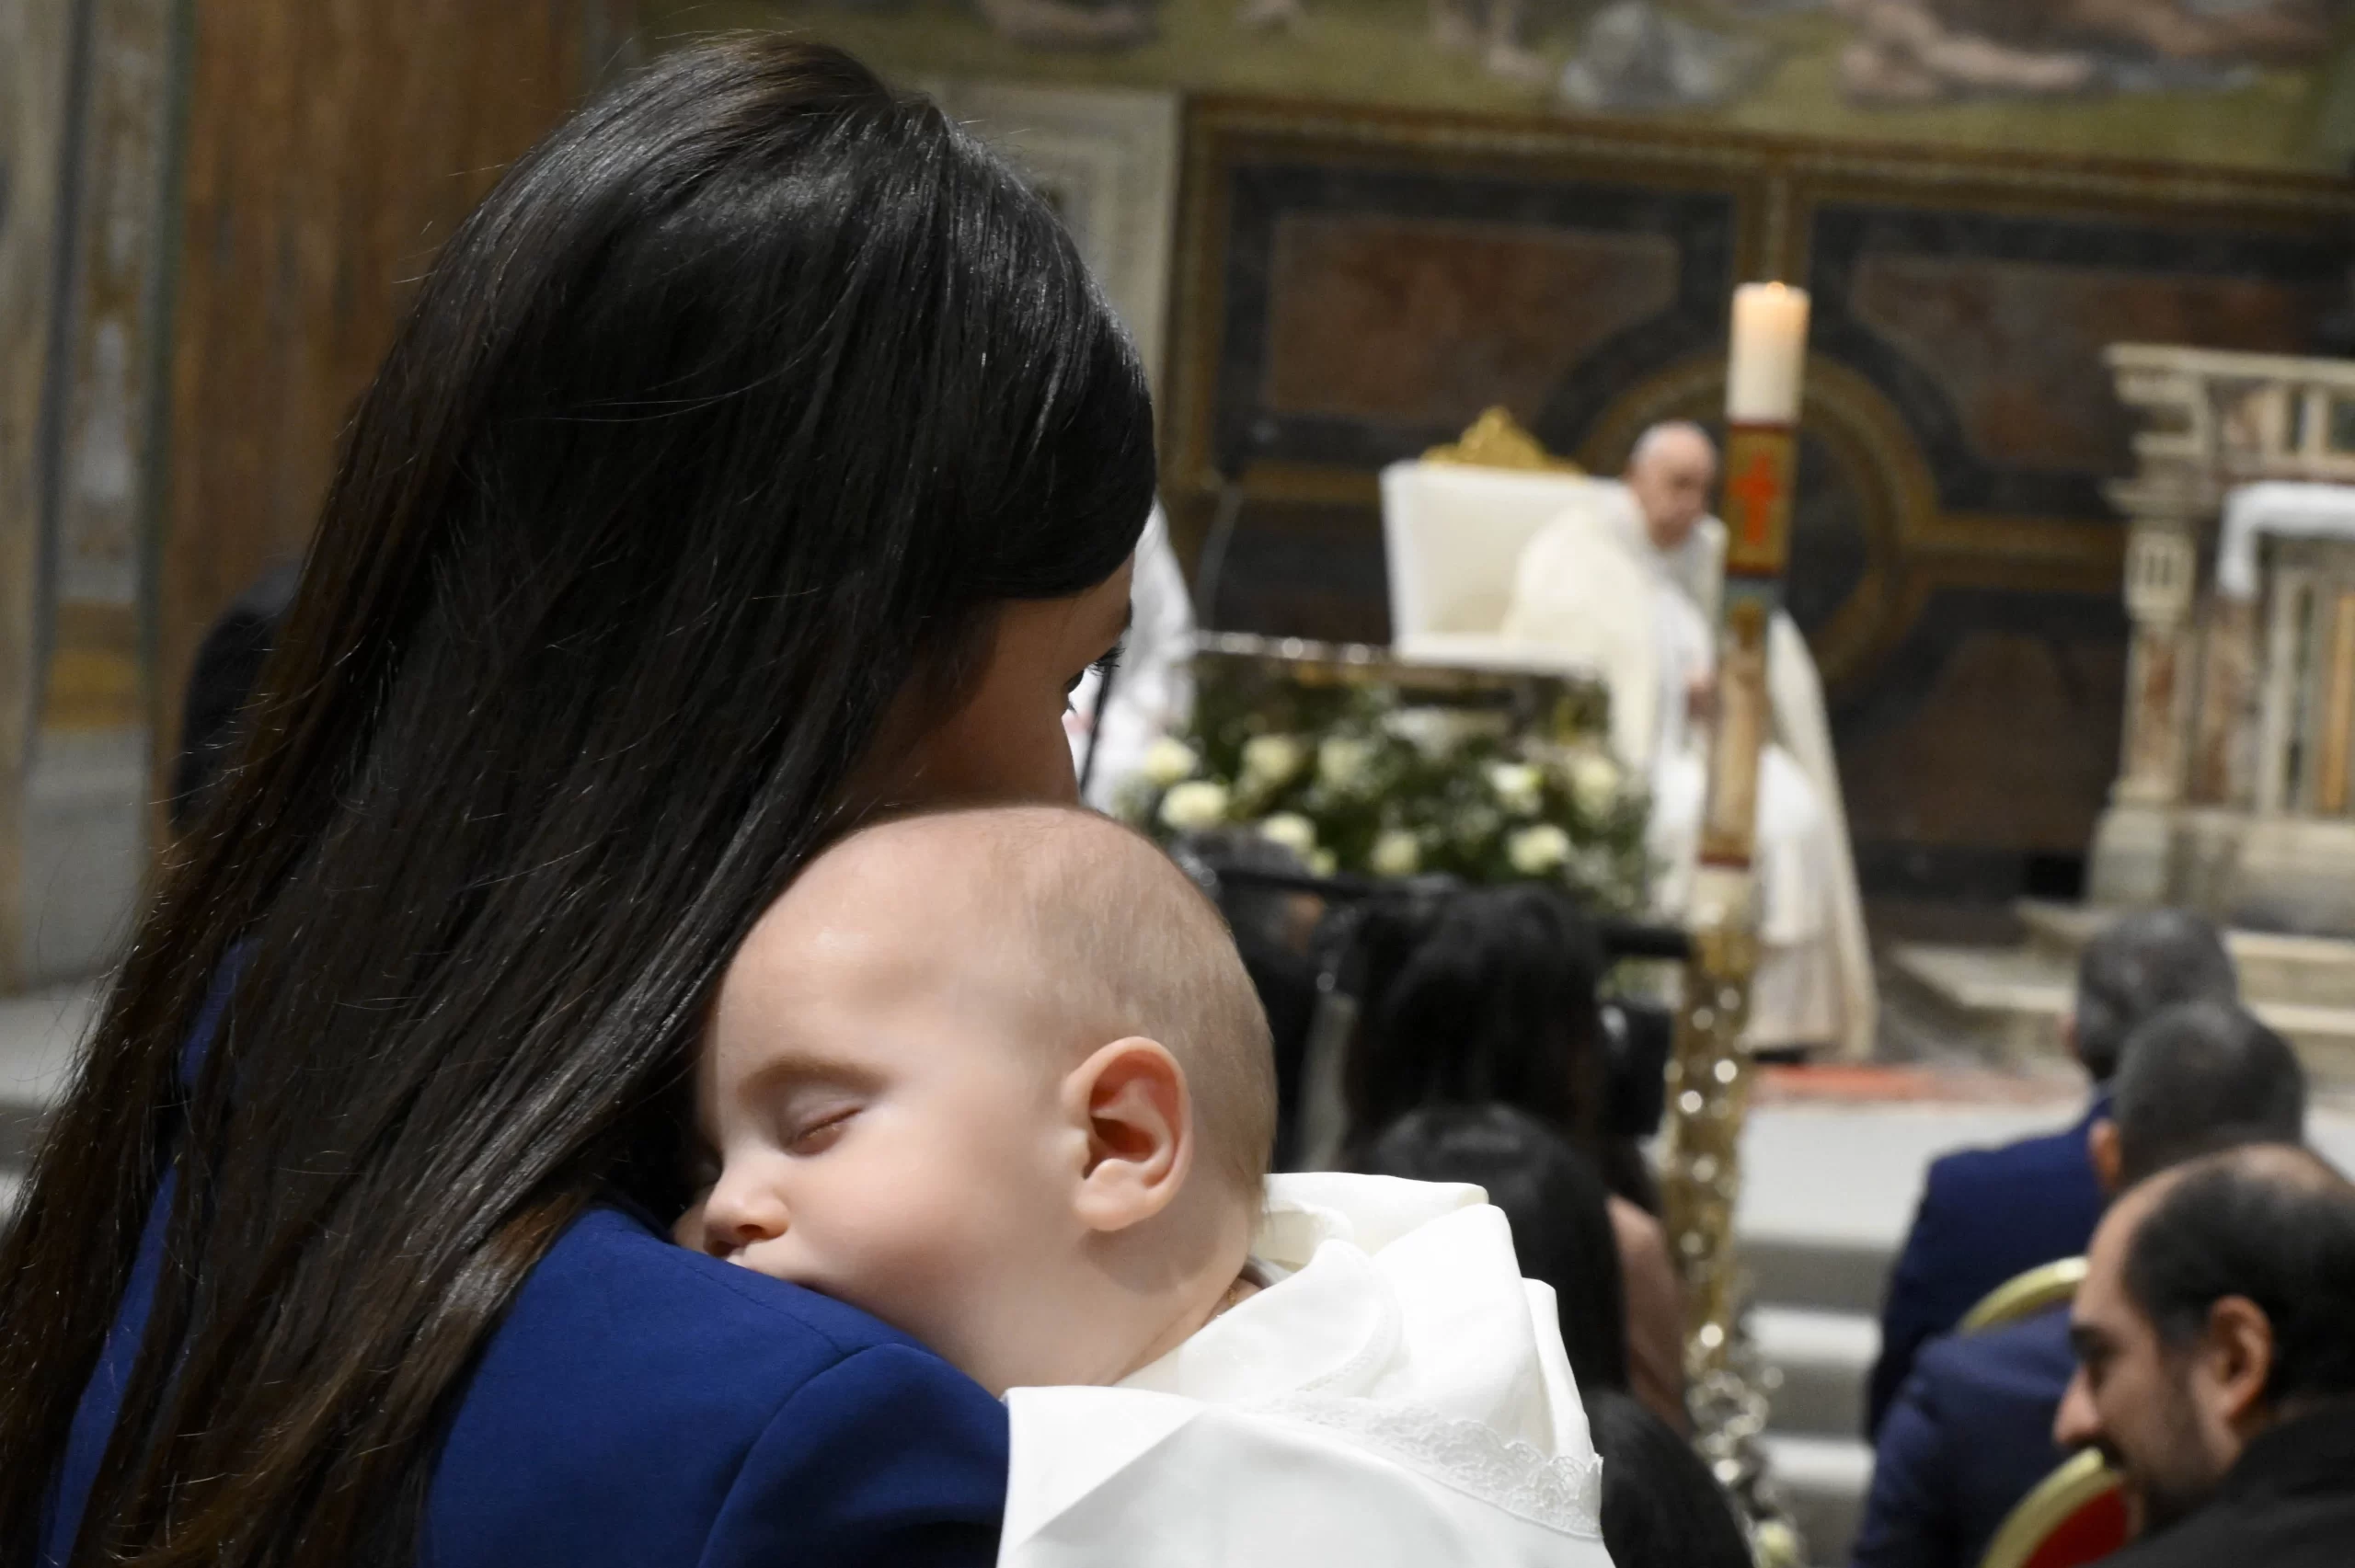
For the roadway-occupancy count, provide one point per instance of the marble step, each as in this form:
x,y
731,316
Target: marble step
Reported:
x,y
2276,966
2012,1001
1816,1273
1822,1481
1822,1361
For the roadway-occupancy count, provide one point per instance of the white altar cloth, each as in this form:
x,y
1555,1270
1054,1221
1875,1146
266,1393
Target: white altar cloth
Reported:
x,y
2284,510
1399,1398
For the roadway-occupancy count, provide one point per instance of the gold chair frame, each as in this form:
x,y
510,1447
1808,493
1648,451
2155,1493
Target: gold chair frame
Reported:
x,y
2082,1478
2025,1294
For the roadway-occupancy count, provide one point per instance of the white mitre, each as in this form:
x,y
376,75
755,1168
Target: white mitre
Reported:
x,y
1400,1396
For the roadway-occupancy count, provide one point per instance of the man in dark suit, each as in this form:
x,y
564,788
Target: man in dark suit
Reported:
x,y
1987,1214
2215,1337
1970,1433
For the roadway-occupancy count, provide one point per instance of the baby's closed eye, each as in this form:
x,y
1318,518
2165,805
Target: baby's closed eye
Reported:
x,y
820,1131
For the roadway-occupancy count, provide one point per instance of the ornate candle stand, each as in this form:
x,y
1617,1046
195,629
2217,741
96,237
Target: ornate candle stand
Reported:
x,y
1709,1076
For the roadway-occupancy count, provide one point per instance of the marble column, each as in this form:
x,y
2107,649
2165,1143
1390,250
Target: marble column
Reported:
x,y
85,793
2224,739
35,53
2161,571
2134,847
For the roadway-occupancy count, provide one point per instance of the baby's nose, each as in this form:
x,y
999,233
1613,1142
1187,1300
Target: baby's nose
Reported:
x,y
734,1219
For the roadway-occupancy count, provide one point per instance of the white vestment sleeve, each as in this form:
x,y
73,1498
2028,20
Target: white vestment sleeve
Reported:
x,y
1577,590
1805,731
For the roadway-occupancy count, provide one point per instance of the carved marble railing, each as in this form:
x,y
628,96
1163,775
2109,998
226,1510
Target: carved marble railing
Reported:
x,y
2239,705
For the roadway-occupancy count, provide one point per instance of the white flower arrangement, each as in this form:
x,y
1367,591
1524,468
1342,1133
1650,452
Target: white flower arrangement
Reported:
x,y
1520,787
1397,852
1168,760
1270,762
1538,850
1344,761
1292,831
1595,779
1193,805
1350,779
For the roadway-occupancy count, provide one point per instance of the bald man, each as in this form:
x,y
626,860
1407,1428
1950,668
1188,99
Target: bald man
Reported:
x,y
1814,986
2215,1344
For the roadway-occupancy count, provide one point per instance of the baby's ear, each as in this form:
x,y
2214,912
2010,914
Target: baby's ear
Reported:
x,y
1131,1097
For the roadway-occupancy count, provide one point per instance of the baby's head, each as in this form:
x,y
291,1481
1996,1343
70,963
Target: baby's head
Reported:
x,y
998,1077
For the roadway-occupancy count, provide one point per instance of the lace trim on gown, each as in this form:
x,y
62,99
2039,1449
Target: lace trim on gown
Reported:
x,y
1560,1493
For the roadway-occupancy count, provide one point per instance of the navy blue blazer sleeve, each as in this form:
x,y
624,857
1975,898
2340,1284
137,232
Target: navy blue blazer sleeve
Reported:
x,y
1917,1306
1909,1517
1970,1435
644,1406
893,1483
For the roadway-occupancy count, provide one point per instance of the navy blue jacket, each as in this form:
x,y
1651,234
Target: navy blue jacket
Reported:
x,y
1986,1215
1970,1435
644,1406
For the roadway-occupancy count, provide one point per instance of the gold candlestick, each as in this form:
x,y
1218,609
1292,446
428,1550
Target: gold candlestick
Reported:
x,y
1709,1076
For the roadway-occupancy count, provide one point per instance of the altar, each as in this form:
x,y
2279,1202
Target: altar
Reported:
x,y
2235,792
2236,788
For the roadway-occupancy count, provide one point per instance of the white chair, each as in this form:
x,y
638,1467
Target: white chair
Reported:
x,y
1454,536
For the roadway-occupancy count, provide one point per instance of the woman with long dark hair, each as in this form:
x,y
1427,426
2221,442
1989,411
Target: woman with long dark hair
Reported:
x,y
1489,998
756,455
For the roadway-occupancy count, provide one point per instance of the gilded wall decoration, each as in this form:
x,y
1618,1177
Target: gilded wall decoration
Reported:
x,y
2257,83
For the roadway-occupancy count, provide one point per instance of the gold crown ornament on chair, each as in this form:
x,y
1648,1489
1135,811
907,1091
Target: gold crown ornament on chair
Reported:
x,y
1495,439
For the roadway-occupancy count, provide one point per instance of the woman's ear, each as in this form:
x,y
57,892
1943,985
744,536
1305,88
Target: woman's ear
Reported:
x,y
1131,1097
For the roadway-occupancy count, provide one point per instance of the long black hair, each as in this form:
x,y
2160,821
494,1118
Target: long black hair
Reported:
x,y
1661,1508
718,431
1481,995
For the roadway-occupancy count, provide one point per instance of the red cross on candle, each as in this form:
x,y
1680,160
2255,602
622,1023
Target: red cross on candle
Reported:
x,y
1755,491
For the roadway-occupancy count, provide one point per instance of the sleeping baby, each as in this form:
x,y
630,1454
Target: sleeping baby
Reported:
x,y
997,1076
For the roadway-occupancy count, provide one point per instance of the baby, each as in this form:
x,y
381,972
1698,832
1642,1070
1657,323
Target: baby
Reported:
x,y
998,1077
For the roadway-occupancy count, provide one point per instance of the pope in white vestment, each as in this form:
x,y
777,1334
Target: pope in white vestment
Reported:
x,y
1814,984
1396,1396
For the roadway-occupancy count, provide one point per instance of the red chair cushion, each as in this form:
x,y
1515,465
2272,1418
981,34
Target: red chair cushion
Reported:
x,y
2092,1533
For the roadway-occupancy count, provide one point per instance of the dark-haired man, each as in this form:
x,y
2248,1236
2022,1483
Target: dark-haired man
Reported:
x,y
1970,1434
1987,1214
2215,1337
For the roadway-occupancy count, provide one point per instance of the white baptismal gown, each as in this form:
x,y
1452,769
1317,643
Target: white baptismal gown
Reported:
x,y
1399,1397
